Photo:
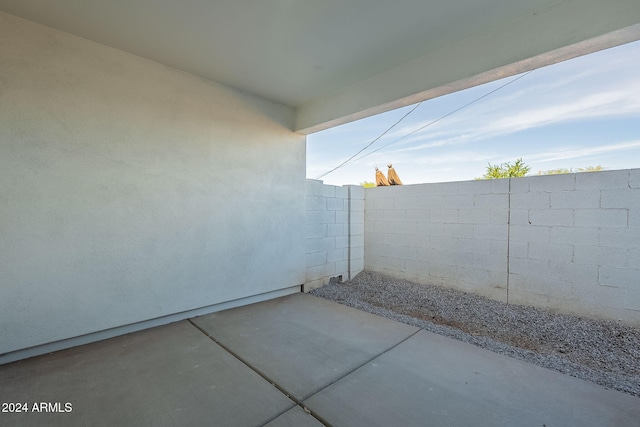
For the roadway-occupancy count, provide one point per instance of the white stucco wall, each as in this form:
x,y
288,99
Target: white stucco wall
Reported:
x,y
131,191
334,232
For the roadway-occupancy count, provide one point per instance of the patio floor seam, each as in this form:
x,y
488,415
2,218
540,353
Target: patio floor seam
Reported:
x,y
319,417
262,375
289,395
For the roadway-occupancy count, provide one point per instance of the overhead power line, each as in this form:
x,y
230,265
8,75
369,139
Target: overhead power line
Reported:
x,y
371,143
354,159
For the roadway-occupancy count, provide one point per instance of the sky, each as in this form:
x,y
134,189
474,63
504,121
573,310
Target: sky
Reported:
x,y
574,114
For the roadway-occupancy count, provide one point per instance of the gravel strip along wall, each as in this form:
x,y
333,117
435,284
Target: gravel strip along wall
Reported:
x,y
602,351
569,243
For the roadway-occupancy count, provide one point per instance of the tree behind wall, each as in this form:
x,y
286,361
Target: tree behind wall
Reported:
x,y
506,170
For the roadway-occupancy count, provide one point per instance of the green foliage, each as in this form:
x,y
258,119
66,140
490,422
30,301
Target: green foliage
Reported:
x,y
596,168
565,170
367,184
506,170
559,171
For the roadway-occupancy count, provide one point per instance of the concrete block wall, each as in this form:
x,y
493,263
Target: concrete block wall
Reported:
x,y
575,243
334,232
569,243
450,234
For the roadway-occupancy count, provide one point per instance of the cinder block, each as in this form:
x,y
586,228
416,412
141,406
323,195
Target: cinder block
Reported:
x,y
357,205
551,217
500,186
430,229
399,227
443,215
357,228
626,278
335,204
491,201
401,239
602,180
575,199
418,215
531,200
315,203
552,183
334,230
499,216
335,255
634,218
314,284
473,245
320,217
328,191
313,187
390,263
409,203
341,241
529,233
474,216
519,217
442,188
357,241
627,198
373,215
634,178
341,217
444,243
394,215
356,217
518,185
601,218
315,230
560,252
498,247
628,238
356,192
572,272
356,253
473,275
584,236
315,258
447,272
632,301
529,267
316,272
474,187
490,262
319,244
518,249
458,201
458,230
490,231
341,192
601,255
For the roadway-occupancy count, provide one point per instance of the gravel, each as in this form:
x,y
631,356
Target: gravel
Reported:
x,y
604,352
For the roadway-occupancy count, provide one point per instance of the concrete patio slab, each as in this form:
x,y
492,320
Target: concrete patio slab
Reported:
x,y
303,343
433,380
295,417
171,375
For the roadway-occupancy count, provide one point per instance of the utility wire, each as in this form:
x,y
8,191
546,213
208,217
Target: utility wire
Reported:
x,y
371,143
351,159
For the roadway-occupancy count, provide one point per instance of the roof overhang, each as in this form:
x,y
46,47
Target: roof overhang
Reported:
x,y
335,61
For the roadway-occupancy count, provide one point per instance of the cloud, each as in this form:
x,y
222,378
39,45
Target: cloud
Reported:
x,y
576,152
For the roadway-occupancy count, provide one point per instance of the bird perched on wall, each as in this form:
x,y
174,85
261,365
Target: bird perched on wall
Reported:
x,y
394,179
381,180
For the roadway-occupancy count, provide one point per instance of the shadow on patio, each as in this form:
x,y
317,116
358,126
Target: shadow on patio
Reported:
x,y
269,362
